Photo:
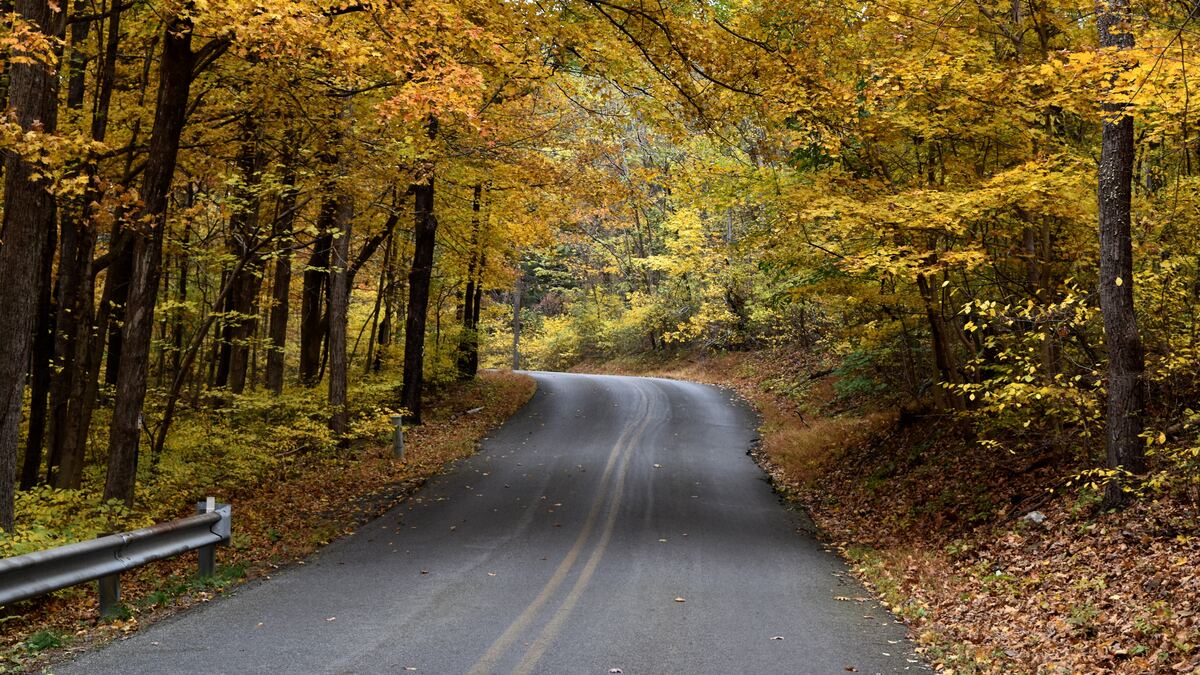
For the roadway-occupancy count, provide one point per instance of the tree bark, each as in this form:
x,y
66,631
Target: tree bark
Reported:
x,y
424,241
316,275
175,80
339,302
29,214
516,322
1126,361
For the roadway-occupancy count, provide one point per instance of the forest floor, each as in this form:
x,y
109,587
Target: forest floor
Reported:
x,y
278,519
936,525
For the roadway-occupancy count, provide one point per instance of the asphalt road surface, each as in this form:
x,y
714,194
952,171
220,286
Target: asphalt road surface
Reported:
x,y
615,524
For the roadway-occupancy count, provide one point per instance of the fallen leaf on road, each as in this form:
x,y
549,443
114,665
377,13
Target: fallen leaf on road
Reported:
x,y
332,618
615,670
663,541
658,466
491,574
777,637
680,600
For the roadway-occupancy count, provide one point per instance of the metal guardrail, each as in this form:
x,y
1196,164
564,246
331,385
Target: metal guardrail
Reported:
x,y
104,558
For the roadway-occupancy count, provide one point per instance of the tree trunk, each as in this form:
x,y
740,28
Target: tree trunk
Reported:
x,y
516,322
29,214
473,354
419,275
424,240
339,302
1126,362
175,80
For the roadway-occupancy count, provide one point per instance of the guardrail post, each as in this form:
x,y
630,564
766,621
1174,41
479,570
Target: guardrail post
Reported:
x,y
110,595
398,438
207,554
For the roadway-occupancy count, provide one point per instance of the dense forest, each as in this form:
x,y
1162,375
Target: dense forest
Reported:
x,y
987,209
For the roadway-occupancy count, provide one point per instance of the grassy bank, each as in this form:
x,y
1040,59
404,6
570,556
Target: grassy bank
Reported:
x,y
291,490
996,563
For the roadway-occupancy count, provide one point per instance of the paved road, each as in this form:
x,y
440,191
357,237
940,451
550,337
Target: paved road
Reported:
x,y
565,546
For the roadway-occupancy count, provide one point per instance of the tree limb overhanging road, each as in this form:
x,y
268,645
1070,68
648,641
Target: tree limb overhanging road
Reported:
x,y
613,523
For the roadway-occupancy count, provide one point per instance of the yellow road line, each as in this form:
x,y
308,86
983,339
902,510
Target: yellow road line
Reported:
x,y
550,631
498,648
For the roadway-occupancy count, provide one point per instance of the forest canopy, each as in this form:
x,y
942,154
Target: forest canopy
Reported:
x,y
981,209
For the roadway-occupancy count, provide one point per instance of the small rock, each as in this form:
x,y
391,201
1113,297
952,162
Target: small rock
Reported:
x,y
1035,517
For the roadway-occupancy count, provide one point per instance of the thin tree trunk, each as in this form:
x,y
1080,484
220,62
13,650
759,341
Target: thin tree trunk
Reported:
x,y
339,302
1126,362
516,323
384,338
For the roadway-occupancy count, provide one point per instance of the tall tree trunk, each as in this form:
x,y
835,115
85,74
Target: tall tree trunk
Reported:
x,y
1126,362
175,80
419,275
424,240
339,302
29,214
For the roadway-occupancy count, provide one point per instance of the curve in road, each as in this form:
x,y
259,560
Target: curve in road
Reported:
x,y
615,524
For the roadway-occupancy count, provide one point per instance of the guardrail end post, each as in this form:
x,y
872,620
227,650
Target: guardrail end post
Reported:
x,y
110,595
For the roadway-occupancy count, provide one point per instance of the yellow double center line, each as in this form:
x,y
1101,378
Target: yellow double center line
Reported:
x,y
618,461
